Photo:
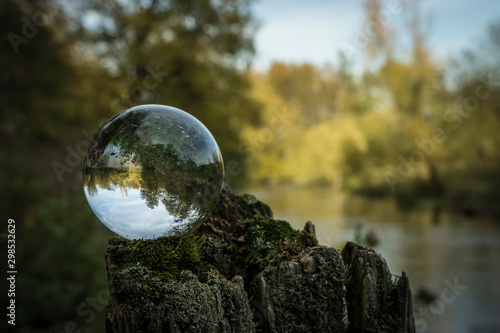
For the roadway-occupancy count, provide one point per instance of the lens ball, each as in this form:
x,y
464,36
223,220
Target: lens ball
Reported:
x,y
153,171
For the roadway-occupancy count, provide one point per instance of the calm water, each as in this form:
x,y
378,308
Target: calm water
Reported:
x,y
456,258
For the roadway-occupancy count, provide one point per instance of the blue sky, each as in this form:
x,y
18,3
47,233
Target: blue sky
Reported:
x,y
315,31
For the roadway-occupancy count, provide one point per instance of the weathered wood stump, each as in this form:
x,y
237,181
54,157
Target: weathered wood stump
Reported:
x,y
376,300
243,271
302,294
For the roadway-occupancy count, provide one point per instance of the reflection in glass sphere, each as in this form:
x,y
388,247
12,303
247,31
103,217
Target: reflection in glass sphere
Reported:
x,y
153,171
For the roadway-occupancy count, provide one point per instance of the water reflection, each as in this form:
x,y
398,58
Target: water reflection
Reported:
x,y
151,173
431,245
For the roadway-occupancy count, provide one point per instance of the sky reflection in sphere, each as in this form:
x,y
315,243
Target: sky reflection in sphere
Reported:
x,y
153,171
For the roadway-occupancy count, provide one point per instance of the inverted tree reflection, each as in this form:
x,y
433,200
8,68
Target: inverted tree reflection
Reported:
x,y
171,165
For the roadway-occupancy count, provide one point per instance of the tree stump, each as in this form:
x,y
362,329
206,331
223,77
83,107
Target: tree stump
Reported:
x,y
377,301
243,271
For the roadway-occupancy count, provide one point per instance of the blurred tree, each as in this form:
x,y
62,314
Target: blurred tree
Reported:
x,y
407,81
309,134
474,171
307,88
188,54
415,85
47,100
381,33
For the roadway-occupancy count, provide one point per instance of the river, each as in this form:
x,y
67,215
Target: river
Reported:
x,y
454,257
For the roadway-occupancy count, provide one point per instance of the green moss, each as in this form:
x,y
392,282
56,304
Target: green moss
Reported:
x,y
244,198
166,257
270,238
264,241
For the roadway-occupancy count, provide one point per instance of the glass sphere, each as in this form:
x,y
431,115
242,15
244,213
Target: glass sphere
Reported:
x,y
153,171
